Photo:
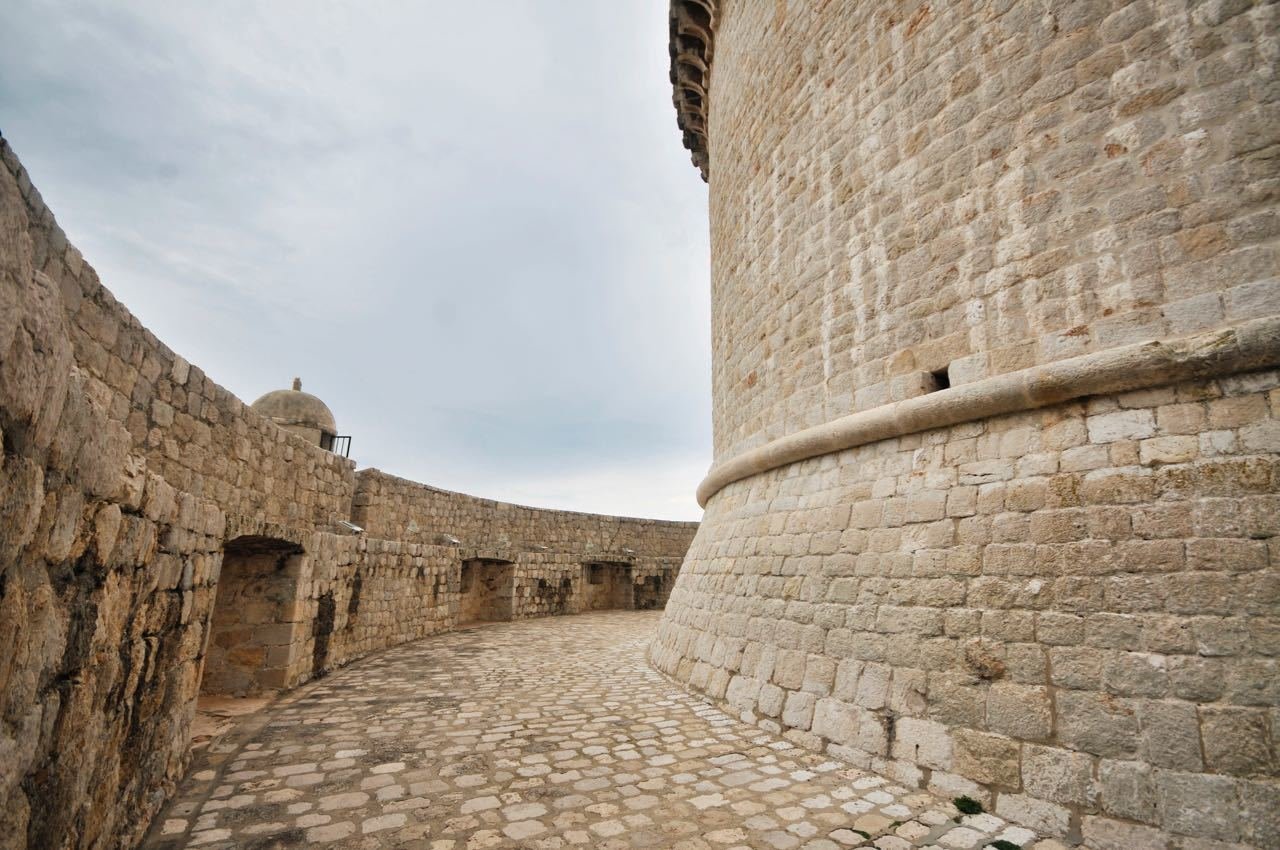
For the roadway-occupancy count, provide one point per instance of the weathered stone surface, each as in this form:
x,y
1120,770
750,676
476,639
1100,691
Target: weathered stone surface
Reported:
x,y
1196,804
1128,790
1057,775
1077,587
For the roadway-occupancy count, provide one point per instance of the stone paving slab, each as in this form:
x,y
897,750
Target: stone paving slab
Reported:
x,y
541,734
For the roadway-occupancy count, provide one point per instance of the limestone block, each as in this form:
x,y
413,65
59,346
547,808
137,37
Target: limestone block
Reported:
x,y
923,742
849,726
1019,711
797,713
1181,449
955,700
1198,804
1235,740
1108,834
741,693
1127,790
1170,735
789,669
819,675
986,758
1059,629
1046,818
106,528
1097,724
1121,425
1060,776
1137,674
771,700
1259,813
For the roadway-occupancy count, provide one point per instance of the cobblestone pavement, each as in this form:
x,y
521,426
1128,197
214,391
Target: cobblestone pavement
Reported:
x,y
550,733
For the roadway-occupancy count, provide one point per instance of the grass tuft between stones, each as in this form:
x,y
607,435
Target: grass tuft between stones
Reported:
x,y
968,805
1001,844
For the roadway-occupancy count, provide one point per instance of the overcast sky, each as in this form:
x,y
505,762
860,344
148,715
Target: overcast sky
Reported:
x,y
469,227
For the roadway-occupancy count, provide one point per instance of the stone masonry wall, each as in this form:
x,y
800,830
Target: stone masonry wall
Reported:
x,y
385,592
104,576
547,547
1070,614
925,550
387,506
902,188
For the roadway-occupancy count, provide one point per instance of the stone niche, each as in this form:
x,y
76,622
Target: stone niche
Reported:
x,y
486,588
607,586
254,628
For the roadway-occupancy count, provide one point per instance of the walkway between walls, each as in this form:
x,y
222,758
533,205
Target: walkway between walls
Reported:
x,y
548,733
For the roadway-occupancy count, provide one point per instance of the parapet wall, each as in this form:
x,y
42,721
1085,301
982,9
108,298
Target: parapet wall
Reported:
x,y
386,506
129,482
995,337
100,637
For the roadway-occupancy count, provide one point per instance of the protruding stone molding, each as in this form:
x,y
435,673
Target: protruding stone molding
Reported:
x,y
692,43
1244,347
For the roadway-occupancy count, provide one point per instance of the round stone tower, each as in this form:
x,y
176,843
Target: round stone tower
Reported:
x,y
299,412
994,505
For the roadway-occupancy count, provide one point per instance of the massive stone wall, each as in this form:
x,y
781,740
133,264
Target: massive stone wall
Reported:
x,y
994,331
129,481
387,506
549,549
100,624
1070,614
899,188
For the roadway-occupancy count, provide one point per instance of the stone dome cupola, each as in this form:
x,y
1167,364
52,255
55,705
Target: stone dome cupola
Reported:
x,y
300,412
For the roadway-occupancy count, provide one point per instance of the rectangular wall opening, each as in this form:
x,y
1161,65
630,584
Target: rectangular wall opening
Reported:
x,y
253,634
486,591
253,627
607,586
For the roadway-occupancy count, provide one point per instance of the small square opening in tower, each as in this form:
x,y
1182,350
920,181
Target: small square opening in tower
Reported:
x,y
941,379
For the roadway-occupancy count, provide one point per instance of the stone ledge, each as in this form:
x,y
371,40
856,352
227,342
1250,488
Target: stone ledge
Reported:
x,y
1241,348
